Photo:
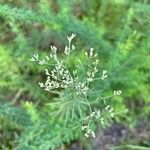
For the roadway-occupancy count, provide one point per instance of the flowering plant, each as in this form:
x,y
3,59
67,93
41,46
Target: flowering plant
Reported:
x,y
75,91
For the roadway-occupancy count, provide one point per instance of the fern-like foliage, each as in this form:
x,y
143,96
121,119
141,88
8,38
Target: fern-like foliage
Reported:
x,y
78,107
31,118
57,23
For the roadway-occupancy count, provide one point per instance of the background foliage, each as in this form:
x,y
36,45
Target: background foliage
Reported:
x,y
117,29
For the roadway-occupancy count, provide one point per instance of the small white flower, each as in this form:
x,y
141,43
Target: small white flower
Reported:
x,y
89,131
92,114
66,50
73,47
117,92
53,48
98,114
47,73
47,57
36,56
71,37
96,61
104,74
86,54
93,134
32,59
41,84
83,127
107,107
51,55
95,55
41,63
112,114
86,135
91,52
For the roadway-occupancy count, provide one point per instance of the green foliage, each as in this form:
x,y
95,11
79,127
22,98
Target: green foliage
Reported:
x,y
117,29
8,71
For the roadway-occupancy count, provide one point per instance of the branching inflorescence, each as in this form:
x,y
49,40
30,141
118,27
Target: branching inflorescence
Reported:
x,y
60,78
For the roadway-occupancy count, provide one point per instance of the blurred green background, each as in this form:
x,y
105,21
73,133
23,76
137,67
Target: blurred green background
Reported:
x,y
119,30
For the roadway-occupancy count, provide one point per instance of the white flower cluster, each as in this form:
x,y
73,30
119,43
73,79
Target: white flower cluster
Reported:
x,y
81,88
104,75
110,110
94,63
91,53
59,77
88,131
96,115
117,92
53,55
69,48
